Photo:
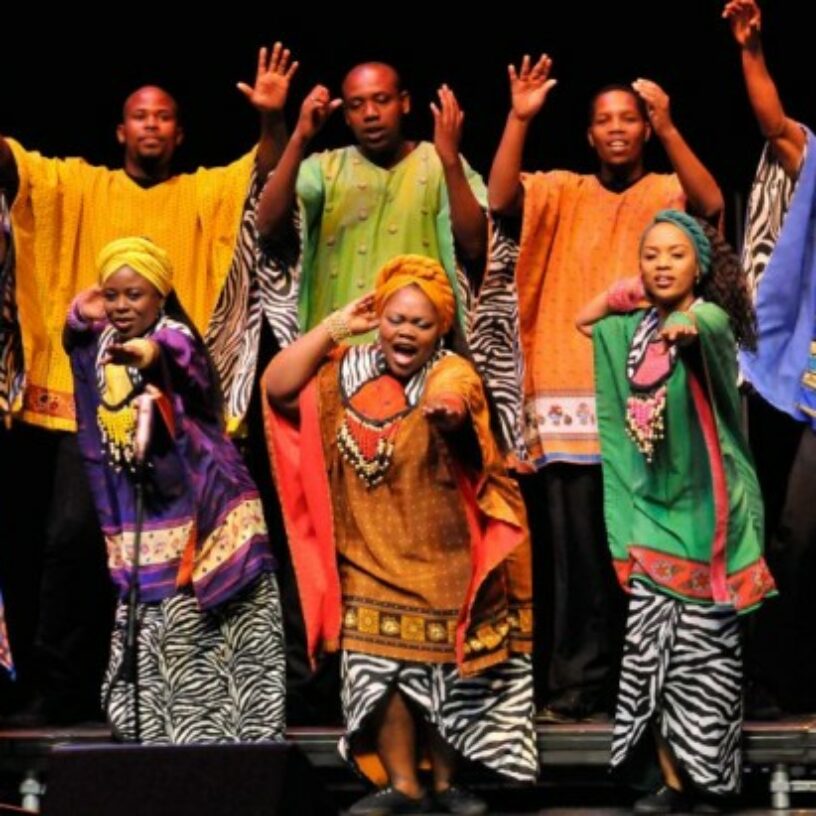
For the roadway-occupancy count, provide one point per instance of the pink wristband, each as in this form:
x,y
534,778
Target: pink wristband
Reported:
x,y
625,295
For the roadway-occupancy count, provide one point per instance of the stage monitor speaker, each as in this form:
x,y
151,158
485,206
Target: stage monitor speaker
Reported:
x,y
245,779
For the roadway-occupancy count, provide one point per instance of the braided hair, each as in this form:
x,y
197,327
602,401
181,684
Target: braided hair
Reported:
x,y
727,285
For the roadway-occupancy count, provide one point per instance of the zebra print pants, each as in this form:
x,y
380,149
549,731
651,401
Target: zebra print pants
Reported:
x,y
214,676
682,670
487,718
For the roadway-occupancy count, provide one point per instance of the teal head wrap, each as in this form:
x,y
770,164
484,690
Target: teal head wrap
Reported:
x,y
691,227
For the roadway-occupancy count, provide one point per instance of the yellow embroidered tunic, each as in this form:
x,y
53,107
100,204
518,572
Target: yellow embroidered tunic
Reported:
x,y
66,210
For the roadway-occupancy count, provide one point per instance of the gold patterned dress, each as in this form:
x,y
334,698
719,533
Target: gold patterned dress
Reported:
x,y
431,557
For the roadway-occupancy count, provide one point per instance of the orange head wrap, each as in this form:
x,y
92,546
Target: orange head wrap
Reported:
x,y
417,270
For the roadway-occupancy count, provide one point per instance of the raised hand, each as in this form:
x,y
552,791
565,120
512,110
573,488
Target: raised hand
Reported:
x,y
91,304
529,86
657,104
359,315
315,110
448,119
446,411
681,334
626,295
272,80
138,352
745,19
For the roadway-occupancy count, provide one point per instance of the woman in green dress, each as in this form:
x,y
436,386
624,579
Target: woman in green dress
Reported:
x,y
682,506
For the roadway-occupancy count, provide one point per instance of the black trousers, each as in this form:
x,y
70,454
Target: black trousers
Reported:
x,y
580,610
59,599
780,644
312,694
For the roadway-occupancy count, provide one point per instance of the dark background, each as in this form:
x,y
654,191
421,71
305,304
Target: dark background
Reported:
x,y
65,74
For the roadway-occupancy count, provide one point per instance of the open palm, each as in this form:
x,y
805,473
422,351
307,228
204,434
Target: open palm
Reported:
x,y
530,85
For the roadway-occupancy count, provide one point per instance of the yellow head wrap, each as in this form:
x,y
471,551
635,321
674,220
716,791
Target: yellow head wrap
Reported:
x,y
142,256
417,270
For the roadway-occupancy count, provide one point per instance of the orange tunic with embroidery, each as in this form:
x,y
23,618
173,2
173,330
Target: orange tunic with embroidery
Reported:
x,y
577,238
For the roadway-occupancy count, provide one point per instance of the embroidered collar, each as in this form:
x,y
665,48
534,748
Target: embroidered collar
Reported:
x,y
374,404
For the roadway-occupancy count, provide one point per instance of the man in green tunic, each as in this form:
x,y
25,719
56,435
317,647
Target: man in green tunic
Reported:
x,y
363,204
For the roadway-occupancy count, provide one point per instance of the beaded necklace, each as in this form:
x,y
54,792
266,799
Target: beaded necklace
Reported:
x,y
649,365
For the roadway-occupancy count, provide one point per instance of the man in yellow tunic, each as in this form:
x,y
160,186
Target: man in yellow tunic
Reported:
x,y
63,211
579,233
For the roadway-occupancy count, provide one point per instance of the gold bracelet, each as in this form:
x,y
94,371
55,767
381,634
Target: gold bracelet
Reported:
x,y
337,326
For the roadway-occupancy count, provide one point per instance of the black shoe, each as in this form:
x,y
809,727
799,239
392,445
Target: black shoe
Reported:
x,y
387,801
460,802
548,714
709,805
663,800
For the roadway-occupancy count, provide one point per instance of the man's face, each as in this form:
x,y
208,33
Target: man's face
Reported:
x,y
373,107
150,130
618,130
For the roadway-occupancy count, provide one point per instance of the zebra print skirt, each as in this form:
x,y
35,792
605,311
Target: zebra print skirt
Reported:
x,y
682,672
487,718
214,676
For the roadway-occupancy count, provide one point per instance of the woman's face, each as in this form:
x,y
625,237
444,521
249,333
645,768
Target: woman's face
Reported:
x,y
409,330
132,303
668,265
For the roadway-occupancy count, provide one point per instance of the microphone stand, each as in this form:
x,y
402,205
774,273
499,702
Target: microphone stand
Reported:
x,y
130,654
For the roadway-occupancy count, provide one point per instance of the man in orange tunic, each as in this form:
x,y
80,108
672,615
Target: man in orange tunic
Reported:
x,y
579,233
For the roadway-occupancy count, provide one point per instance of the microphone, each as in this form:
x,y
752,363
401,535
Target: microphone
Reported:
x,y
144,426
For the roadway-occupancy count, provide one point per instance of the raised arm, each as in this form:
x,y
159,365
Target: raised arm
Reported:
x,y
785,136
87,308
625,295
292,368
702,191
268,97
529,87
278,196
467,218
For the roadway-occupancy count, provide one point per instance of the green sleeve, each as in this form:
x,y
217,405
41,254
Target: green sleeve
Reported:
x,y
310,188
611,337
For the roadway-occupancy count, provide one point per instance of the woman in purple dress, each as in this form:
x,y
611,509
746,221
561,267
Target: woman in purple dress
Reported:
x,y
210,645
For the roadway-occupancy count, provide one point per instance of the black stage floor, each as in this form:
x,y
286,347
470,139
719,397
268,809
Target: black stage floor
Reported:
x,y
780,772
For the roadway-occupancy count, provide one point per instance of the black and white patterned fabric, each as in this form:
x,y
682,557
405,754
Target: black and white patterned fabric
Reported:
x,y
487,718
768,203
682,671
495,342
361,364
214,676
646,333
12,380
258,287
